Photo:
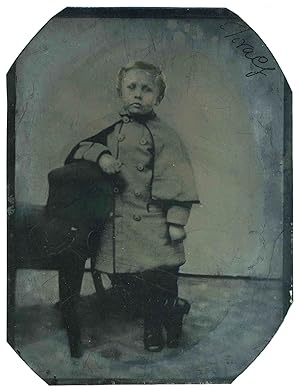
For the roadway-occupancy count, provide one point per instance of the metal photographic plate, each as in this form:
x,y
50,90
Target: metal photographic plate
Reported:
x,y
149,197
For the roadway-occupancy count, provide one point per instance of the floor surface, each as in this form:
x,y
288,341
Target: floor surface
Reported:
x,y
230,322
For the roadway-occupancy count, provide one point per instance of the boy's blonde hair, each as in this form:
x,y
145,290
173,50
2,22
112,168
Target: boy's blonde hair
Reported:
x,y
153,69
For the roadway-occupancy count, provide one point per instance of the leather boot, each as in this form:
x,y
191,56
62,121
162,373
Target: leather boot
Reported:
x,y
153,336
176,309
153,325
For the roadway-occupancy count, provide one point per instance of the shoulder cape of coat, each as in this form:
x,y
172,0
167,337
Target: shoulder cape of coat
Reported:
x,y
173,178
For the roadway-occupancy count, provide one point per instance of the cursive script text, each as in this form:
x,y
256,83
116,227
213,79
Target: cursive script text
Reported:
x,y
236,32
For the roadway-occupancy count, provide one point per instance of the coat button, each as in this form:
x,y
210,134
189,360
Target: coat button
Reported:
x,y
136,217
137,193
143,141
116,189
121,138
126,119
140,167
119,165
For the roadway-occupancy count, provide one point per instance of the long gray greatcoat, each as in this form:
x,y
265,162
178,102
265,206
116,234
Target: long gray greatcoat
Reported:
x,y
158,189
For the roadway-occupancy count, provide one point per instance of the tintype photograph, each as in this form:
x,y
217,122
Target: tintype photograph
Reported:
x,y
149,197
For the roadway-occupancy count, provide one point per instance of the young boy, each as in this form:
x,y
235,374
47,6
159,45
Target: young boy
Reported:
x,y
142,240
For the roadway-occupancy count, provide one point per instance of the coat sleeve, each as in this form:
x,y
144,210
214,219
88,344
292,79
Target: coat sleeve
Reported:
x,y
179,214
93,147
87,150
173,178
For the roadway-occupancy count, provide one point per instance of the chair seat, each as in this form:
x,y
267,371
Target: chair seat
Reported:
x,y
28,251
41,238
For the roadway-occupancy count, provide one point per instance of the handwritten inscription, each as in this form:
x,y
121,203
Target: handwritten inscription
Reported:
x,y
236,32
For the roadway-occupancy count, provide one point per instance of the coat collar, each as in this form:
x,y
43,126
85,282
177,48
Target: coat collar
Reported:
x,y
123,116
126,116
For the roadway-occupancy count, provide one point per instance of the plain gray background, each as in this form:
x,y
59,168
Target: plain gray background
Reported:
x,y
232,125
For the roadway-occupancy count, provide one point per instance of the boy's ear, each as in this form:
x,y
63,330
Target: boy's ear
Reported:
x,y
158,101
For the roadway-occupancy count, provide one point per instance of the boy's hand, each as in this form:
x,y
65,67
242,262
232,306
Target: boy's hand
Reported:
x,y
176,232
109,164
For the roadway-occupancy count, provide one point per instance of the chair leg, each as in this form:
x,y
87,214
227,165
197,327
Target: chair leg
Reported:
x,y
70,278
100,291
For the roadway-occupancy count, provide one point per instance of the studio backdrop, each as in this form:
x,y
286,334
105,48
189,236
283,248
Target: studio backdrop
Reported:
x,y
227,108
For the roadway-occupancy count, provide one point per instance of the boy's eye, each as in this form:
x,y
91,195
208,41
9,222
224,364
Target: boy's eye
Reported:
x,y
131,86
147,89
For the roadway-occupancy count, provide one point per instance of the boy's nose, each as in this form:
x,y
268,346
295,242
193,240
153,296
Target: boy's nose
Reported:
x,y
138,93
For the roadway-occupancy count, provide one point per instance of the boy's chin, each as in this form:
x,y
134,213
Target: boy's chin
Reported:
x,y
138,111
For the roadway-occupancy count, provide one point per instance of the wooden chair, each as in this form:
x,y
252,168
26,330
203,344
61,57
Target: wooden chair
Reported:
x,y
25,253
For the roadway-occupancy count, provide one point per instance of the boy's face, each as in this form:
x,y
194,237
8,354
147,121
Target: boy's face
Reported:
x,y
139,91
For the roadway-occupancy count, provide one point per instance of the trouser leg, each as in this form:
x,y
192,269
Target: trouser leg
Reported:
x,y
128,293
159,287
173,308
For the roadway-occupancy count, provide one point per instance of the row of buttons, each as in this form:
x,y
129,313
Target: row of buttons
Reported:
x,y
122,137
136,193
135,217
